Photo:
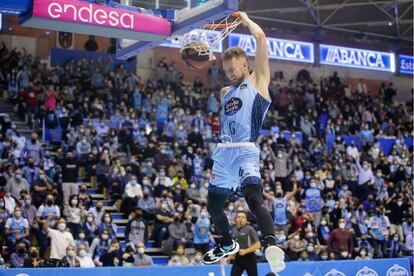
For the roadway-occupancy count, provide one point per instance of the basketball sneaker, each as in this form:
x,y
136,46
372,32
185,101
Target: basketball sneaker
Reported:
x,y
275,257
220,252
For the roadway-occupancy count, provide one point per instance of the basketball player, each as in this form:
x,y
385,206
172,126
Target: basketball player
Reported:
x,y
236,159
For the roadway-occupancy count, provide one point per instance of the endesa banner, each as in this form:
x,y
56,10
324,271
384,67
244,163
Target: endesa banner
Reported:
x,y
407,64
84,17
379,267
357,58
278,48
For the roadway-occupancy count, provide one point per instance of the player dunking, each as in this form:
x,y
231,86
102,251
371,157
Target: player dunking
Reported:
x,y
236,161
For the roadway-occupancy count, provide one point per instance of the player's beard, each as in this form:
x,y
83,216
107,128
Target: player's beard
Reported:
x,y
236,82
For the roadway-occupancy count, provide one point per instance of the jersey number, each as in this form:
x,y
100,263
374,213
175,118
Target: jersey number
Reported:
x,y
232,128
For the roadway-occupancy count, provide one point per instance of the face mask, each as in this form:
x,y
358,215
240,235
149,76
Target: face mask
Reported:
x,y
42,177
81,236
313,185
345,188
310,249
395,239
71,253
133,182
197,258
342,225
365,167
17,213
296,237
74,201
344,254
146,182
1,204
82,253
206,185
193,186
89,219
62,226
180,209
164,206
379,174
18,177
203,214
363,253
105,237
323,222
399,202
141,250
231,208
107,220
324,257
280,155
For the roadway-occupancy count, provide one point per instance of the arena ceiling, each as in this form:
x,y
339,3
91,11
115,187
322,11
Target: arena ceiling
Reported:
x,y
385,24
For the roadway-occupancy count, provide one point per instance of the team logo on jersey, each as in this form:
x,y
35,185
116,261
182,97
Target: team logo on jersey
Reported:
x,y
232,106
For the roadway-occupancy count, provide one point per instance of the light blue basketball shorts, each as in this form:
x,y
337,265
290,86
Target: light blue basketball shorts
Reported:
x,y
235,165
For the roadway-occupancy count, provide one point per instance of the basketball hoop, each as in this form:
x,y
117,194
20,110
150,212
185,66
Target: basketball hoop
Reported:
x,y
204,42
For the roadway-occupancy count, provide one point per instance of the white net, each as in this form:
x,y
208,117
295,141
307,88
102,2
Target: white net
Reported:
x,y
205,40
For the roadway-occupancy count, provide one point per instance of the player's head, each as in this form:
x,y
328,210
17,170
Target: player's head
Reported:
x,y
235,65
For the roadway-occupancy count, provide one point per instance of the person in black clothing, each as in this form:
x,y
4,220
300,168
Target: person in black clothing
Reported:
x,y
249,242
33,259
91,45
112,256
69,168
163,217
397,211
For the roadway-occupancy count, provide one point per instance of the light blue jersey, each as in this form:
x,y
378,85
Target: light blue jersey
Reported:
x,y
313,201
242,115
279,210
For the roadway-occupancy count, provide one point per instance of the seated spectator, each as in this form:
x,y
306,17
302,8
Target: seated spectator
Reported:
x,y
201,232
33,259
142,259
70,260
179,258
107,224
81,241
133,192
128,256
17,229
16,184
177,233
147,204
393,247
197,259
85,259
19,257
113,255
163,217
98,246
90,228
97,212
363,255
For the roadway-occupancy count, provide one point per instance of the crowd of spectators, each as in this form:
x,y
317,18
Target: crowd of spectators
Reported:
x,y
146,146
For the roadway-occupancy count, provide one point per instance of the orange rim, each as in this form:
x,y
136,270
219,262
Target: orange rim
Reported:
x,y
223,25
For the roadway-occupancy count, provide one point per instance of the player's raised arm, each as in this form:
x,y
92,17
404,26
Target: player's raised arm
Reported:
x,y
261,74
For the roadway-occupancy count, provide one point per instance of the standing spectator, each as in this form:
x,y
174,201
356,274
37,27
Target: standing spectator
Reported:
x,y
33,149
136,229
60,240
74,214
249,242
69,176
340,241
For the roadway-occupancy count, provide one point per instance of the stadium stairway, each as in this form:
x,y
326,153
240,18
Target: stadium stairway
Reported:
x,y
109,205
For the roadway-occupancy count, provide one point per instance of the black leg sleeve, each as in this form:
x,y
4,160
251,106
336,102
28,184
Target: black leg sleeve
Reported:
x,y
215,207
253,195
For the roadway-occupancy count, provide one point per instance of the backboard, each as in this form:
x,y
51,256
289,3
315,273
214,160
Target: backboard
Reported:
x,y
184,15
